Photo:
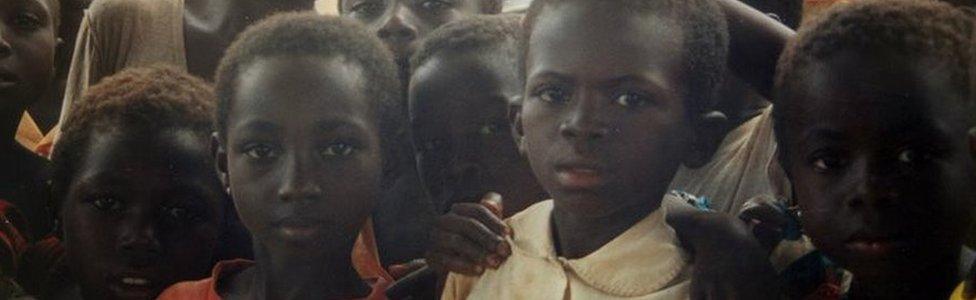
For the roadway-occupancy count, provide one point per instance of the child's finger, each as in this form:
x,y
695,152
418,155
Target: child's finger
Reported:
x,y
494,203
484,215
447,261
471,230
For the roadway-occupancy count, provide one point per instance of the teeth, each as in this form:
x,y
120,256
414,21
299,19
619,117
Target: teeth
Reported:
x,y
135,281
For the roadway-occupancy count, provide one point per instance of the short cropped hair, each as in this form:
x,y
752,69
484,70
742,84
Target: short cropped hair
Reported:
x,y
705,34
472,34
139,100
487,6
917,28
310,34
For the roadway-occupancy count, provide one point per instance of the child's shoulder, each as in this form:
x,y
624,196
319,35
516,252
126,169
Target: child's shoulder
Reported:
x,y
540,210
207,288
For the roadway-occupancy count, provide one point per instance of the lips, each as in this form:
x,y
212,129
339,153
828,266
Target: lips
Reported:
x,y
299,228
580,176
875,246
134,286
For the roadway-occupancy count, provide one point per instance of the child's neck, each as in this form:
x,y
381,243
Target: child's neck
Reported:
x,y
936,282
577,234
326,276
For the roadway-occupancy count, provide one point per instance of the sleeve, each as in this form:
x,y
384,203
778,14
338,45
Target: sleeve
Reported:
x,y
100,49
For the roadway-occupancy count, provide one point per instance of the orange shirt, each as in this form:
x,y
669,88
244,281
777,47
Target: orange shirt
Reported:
x,y
207,289
364,256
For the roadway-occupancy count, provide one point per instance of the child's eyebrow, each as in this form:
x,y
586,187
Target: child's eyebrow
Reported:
x,y
341,123
259,126
551,76
823,133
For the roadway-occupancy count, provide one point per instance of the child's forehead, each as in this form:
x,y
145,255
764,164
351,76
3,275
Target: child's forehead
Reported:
x,y
304,81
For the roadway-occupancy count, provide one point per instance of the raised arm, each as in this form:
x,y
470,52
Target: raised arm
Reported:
x,y
756,41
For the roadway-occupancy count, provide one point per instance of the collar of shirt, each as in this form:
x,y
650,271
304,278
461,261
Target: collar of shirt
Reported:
x,y
642,260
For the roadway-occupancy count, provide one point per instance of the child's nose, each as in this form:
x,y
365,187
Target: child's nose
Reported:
x,y
398,28
872,188
584,122
138,240
297,183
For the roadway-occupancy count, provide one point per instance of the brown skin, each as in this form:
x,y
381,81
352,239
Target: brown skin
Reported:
x,y
304,164
563,56
604,133
47,110
27,43
402,24
143,207
209,26
881,160
459,120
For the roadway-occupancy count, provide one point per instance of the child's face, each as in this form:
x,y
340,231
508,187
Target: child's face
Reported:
x,y
402,24
459,117
880,160
27,42
604,118
141,213
303,153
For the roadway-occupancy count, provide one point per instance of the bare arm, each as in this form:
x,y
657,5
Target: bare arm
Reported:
x,y
756,41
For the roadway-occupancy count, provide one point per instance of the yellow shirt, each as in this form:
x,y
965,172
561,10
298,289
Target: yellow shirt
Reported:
x,y
957,294
644,262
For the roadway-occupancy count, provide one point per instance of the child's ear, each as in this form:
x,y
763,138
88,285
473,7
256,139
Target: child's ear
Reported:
x,y
220,160
515,119
709,130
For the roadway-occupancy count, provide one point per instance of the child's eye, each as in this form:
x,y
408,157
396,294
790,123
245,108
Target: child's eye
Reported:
x,y
553,95
107,203
338,149
367,8
179,213
632,100
435,5
260,151
826,162
27,21
491,128
915,156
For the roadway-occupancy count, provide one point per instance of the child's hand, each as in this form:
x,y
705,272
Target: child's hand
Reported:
x,y
766,220
729,262
470,238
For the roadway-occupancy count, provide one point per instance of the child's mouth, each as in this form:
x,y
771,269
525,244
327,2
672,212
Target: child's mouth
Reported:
x,y
875,247
132,287
579,177
299,228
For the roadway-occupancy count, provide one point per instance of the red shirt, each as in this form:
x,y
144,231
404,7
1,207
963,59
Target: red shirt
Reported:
x,y
206,289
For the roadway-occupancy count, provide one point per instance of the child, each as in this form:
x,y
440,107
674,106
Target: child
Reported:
x,y
308,110
402,24
464,78
877,132
611,110
404,214
465,75
142,207
27,46
187,34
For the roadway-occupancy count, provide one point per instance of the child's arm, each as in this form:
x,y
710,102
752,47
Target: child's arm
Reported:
x,y
755,42
729,262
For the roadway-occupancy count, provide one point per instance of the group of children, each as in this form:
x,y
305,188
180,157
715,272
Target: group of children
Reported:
x,y
625,149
